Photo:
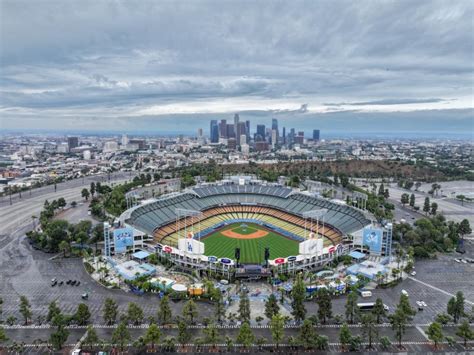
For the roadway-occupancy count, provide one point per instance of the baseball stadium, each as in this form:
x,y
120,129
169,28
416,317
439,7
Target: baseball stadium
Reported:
x,y
262,221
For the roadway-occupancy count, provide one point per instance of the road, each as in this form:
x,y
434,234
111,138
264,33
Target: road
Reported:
x,y
81,182
20,212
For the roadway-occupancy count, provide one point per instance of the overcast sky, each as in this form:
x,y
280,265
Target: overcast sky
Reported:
x,y
156,66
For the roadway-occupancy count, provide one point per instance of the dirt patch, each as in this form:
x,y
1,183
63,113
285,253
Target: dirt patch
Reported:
x,y
231,234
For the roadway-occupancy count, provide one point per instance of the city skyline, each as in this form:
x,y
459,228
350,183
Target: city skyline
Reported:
x,y
365,68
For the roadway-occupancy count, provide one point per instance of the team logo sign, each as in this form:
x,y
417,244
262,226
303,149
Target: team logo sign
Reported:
x,y
279,261
167,249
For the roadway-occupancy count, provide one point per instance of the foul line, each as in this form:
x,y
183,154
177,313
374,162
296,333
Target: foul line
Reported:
x,y
438,289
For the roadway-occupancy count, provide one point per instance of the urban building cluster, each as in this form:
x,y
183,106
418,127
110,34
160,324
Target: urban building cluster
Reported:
x,y
237,135
31,160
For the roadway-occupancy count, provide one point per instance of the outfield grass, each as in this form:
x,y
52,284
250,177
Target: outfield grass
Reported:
x,y
251,250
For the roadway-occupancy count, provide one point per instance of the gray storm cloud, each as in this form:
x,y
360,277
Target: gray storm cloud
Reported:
x,y
140,61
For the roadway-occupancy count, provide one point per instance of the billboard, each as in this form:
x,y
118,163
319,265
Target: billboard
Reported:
x,y
191,246
372,238
311,247
123,238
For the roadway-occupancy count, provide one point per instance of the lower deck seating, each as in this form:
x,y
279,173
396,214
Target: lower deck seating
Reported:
x,y
171,232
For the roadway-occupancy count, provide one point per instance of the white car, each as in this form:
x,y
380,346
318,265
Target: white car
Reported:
x,y
424,304
404,292
413,273
457,260
463,261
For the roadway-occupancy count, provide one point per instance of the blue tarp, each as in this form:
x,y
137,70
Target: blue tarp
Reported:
x,y
356,255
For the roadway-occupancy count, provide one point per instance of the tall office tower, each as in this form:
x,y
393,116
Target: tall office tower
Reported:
x,y
214,132
72,142
236,120
274,138
199,132
275,127
261,132
230,131
299,139
241,130
243,139
231,143
292,136
283,136
223,129
124,140
247,130
316,134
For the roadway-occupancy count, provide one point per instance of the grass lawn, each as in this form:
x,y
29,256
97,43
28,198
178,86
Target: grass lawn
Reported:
x,y
251,250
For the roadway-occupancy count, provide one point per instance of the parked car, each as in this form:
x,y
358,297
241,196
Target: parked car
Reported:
x,y
85,296
413,273
54,282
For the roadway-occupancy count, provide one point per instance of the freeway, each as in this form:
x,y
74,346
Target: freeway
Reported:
x,y
21,210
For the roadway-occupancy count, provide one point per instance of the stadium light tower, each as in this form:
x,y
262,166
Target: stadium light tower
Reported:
x,y
181,214
314,214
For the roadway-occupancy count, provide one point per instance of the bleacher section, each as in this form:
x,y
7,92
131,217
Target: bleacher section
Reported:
x,y
257,201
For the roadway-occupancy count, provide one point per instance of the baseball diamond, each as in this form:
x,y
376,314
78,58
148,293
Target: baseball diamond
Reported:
x,y
223,242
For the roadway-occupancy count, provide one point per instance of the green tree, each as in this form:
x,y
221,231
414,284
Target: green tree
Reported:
x,y
121,335
385,342
183,334
351,307
82,314
220,309
379,310
464,228
53,310
85,194
345,336
211,335
64,246
465,332
152,335
276,325
404,199
426,205
434,208
456,306
91,337
271,307
404,305
110,311
245,336
3,336
190,311
60,335
435,333
135,313
412,200
398,321
323,299
369,329
92,189
164,312
244,307
307,334
25,309
298,294
61,202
